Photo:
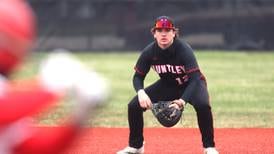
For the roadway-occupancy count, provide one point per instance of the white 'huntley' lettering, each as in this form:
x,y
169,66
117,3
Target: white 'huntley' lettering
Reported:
x,y
167,68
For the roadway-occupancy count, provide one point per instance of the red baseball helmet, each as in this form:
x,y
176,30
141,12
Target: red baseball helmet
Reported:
x,y
164,22
17,33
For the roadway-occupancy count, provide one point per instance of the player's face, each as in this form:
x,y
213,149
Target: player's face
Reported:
x,y
164,37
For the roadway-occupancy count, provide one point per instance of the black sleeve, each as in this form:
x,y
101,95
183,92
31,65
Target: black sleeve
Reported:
x,y
138,81
192,71
142,67
189,58
194,79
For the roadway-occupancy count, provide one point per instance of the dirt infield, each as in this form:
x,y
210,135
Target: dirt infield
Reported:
x,y
177,141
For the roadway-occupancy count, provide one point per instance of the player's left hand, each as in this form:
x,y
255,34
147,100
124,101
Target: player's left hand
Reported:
x,y
178,103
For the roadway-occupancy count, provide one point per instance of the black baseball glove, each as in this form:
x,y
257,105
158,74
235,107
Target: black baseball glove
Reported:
x,y
167,114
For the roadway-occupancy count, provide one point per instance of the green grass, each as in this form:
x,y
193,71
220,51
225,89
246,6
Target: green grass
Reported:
x,y
241,87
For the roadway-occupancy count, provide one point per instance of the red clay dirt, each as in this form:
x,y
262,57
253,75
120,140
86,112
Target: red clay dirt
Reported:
x,y
176,141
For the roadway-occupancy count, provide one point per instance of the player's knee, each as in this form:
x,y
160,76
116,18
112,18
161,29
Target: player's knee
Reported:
x,y
202,107
133,104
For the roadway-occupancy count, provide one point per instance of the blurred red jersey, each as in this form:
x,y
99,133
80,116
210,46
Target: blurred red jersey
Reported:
x,y
19,101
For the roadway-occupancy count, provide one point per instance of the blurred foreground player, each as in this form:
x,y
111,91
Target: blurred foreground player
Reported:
x,y
59,75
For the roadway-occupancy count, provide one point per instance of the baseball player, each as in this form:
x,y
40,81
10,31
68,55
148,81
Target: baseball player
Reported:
x,y
180,80
59,75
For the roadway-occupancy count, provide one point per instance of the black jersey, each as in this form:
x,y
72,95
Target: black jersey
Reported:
x,y
172,64
175,65
180,78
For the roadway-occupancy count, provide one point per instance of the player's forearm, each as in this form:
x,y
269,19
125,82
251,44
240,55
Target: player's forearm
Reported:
x,y
138,82
19,101
192,84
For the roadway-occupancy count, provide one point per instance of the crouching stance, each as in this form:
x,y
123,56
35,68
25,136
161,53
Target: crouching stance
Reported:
x,y
180,81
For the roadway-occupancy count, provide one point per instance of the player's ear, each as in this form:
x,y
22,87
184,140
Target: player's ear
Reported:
x,y
176,32
152,30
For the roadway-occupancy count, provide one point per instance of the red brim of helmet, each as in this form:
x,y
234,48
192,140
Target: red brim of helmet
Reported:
x,y
164,24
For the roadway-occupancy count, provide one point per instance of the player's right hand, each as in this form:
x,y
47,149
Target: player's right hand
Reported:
x,y
144,99
61,72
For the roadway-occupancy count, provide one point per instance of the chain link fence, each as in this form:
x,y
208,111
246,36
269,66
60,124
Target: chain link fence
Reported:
x,y
122,25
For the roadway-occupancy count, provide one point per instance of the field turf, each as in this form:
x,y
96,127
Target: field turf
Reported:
x,y
241,86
